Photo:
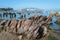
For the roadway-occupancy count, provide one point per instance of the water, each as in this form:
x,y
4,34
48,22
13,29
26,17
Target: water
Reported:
x,y
54,25
44,13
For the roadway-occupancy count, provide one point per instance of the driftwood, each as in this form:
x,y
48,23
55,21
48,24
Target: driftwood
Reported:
x,y
33,27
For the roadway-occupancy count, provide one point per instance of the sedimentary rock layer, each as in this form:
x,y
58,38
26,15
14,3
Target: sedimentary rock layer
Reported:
x,y
34,26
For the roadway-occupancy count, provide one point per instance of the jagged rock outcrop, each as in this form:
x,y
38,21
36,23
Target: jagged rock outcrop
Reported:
x,y
26,29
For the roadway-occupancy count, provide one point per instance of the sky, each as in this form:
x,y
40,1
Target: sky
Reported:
x,y
20,4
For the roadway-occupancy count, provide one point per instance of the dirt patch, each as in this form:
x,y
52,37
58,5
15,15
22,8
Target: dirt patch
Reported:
x,y
7,36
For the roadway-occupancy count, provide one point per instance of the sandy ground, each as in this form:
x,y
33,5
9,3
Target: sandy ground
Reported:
x,y
7,36
55,34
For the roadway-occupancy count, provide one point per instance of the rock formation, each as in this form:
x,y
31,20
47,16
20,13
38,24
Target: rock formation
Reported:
x,y
26,29
58,14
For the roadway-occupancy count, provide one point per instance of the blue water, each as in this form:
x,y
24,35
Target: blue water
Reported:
x,y
44,13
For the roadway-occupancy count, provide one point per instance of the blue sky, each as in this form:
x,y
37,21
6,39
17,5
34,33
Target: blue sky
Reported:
x,y
41,4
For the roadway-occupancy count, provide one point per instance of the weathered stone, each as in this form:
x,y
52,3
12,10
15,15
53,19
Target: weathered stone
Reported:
x,y
58,14
32,27
35,33
20,37
22,29
19,24
45,30
13,23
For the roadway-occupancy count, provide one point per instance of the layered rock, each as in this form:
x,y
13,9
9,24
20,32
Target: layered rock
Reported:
x,y
33,27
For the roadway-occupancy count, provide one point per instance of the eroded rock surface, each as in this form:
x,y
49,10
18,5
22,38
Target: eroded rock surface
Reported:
x,y
26,29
